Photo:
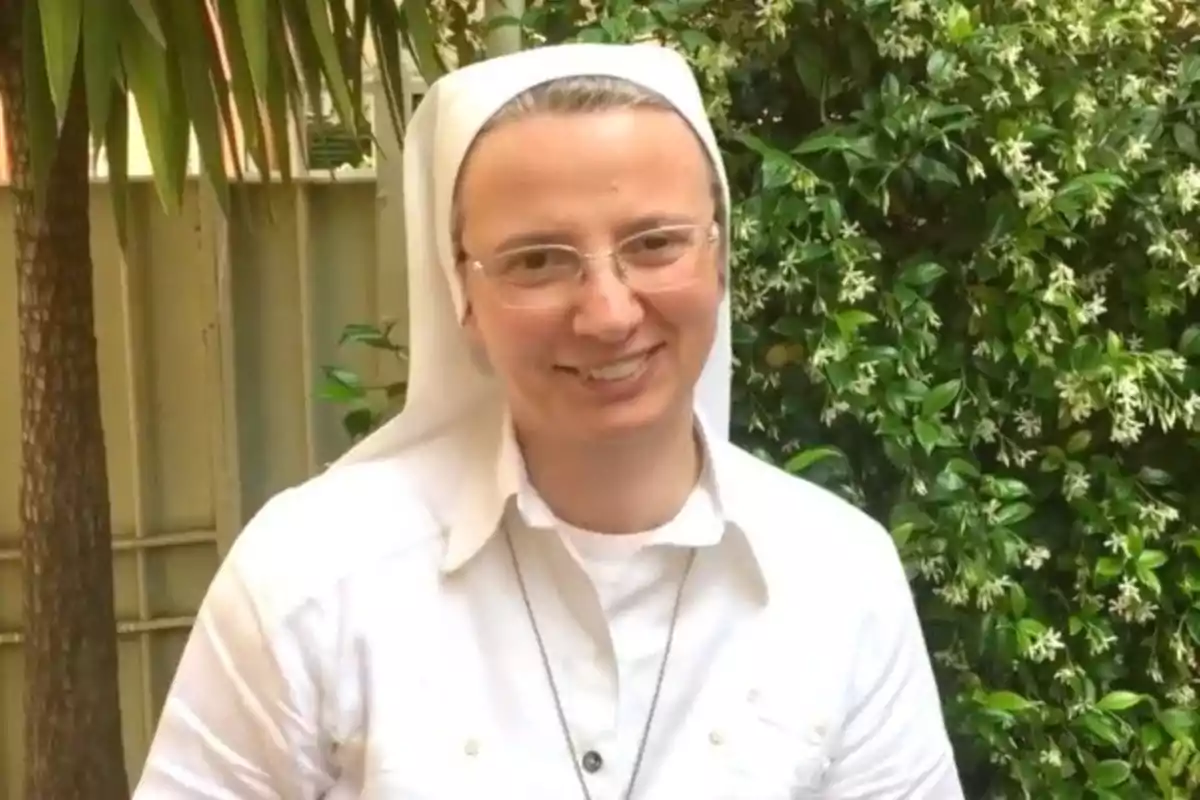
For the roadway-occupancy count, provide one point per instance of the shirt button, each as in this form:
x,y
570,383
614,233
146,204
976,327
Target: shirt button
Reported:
x,y
716,738
471,747
592,762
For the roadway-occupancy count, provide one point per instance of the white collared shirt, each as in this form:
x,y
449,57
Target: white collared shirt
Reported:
x,y
366,638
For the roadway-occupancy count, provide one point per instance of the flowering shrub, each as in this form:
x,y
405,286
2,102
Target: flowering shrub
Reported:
x,y
966,261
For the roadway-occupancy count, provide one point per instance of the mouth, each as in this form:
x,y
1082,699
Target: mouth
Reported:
x,y
621,369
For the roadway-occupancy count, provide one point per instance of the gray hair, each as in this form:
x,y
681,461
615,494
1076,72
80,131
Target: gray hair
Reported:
x,y
582,94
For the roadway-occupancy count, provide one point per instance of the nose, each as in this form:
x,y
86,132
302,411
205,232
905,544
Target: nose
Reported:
x,y
607,309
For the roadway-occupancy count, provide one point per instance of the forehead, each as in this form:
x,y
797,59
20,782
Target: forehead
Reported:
x,y
583,170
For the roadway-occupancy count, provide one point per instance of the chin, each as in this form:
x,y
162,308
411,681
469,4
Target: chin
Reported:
x,y
619,420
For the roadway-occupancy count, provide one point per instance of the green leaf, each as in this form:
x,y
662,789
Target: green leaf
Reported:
x,y
251,19
283,98
421,34
1185,138
144,10
223,91
1018,599
1119,701
185,23
385,33
1006,701
1079,441
933,171
850,320
369,335
950,481
963,467
1178,723
1007,488
62,21
923,273
1154,476
1110,773
1189,342
940,396
1013,513
1189,71
1152,559
331,62
832,142
103,20
155,85
806,458
341,386
1108,567
928,433
1101,727
939,65
958,23
39,107
116,152
248,109
359,422
811,68
902,532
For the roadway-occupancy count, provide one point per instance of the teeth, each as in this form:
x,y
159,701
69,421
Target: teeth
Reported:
x,y
618,370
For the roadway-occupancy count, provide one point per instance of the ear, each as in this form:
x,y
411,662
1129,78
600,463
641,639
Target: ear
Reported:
x,y
469,323
470,328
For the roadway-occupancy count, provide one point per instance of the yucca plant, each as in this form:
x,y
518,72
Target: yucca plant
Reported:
x,y
231,71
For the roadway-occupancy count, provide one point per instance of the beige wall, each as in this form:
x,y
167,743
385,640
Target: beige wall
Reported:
x,y
211,334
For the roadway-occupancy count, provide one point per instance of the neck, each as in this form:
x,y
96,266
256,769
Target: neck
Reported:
x,y
627,485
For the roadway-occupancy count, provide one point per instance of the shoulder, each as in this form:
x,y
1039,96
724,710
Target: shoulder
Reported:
x,y
806,528
814,515
346,524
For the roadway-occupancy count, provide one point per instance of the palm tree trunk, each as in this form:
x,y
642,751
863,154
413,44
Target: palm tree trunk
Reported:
x,y
73,746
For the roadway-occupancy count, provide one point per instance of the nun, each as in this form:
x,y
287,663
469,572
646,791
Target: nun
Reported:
x,y
552,575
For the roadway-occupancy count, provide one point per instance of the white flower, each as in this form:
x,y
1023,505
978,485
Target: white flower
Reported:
x,y
1045,646
1035,557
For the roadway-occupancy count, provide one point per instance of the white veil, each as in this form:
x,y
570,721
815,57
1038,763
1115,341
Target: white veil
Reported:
x,y
444,381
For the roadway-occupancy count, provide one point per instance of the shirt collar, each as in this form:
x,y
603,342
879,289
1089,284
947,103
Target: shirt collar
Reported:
x,y
484,499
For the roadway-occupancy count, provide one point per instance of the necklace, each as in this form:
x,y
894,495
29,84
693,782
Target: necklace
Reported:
x,y
558,706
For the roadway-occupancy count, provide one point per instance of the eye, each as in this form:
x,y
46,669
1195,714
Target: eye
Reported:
x,y
658,247
536,264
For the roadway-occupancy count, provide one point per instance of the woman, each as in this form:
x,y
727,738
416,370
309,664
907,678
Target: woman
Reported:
x,y
552,576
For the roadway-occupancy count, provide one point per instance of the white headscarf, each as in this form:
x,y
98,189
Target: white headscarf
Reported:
x,y
444,381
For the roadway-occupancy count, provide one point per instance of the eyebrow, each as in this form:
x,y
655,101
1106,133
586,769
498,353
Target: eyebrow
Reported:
x,y
657,220
534,239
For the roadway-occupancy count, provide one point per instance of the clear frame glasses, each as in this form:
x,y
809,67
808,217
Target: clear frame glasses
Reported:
x,y
548,275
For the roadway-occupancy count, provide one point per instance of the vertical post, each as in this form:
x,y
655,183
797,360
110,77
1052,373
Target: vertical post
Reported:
x,y
505,38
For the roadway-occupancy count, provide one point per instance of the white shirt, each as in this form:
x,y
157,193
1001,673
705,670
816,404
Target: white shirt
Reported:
x,y
365,638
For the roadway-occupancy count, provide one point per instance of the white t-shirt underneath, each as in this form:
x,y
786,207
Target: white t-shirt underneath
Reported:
x,y
636,578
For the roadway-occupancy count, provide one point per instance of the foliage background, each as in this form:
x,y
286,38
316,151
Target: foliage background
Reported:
x,y
966,264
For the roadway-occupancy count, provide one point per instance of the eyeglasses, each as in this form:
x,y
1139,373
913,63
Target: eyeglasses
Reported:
x,y
548,276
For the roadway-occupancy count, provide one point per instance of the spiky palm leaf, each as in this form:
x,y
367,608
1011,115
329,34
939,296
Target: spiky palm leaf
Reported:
x,y
231,72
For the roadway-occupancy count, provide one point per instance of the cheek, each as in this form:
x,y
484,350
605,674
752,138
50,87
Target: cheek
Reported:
x,y
690,315
513,340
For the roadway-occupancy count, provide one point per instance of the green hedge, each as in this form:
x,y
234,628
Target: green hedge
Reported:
x,y
967,251
966,261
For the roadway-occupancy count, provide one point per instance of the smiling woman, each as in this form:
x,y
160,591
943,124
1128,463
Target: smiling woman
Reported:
x,y
552,575
594,296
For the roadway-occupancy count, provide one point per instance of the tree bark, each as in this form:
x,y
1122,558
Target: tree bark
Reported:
x,y
73,747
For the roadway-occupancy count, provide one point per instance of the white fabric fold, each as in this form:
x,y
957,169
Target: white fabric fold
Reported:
x,y
445,383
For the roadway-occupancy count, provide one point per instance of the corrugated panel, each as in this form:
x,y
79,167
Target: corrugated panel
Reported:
x,y
211,336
